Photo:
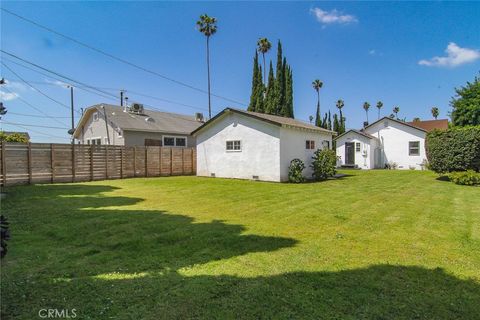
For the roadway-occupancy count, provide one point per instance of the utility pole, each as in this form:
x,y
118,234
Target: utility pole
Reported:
x,y
121,98
3,110
72,130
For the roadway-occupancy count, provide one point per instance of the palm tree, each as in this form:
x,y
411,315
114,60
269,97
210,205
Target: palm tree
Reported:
x,y
207,26
435,112
317,85
366,106
340,104
379,106
263,45
396,110
310,118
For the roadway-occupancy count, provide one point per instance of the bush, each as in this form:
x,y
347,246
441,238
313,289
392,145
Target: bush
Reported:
x,y
13,137
467,178
455,149
295,171
324,164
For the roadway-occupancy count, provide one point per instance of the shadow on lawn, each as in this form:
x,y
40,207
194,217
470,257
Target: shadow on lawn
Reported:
x,y
131,264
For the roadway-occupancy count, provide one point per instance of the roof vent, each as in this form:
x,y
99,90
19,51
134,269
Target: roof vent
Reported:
x,y
136,108
199,116
149,119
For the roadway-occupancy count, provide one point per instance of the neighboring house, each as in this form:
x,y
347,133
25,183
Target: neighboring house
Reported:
x,y
387,141
135,126
250,145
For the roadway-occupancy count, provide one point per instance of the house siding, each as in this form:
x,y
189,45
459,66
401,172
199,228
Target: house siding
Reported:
x,y
97,129
137,138
260,154
364,158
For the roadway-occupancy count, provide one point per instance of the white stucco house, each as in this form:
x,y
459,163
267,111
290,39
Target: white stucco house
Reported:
x,y
249,145
386,141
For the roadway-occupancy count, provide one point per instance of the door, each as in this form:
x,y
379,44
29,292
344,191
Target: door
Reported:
x,y
349,153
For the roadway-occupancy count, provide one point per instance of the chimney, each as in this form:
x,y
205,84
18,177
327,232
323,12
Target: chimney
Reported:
x,y
125,106
365,124
199,116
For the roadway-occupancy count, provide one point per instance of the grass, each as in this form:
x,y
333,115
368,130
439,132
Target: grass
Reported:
x,y
372,245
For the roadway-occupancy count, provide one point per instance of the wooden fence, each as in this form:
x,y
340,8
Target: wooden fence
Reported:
x,y
51,163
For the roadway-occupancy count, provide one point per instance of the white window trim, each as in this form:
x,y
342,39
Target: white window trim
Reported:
x,y
95,116
175,141
414,155
241,146
360,147
94,138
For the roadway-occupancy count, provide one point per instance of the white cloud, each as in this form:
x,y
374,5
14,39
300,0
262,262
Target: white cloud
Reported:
x,y
333,16
14,85
372,52
456,56
8,96
58,83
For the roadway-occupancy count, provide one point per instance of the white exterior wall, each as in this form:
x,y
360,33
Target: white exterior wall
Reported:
x,y
97,129
260,154
395,138
365,158
293,145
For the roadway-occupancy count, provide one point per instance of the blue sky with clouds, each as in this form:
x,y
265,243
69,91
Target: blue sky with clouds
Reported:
x,y
407,54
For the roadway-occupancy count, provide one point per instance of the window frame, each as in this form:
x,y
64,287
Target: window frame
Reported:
x,y
175,141
417,148
95,116
358,147
233,149
310,144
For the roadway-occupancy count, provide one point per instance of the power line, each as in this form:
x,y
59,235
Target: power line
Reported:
x,y
33,107
34,125
119,59
35,116
34,88
39,132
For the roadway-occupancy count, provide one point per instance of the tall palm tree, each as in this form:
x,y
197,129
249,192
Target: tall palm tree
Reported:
x,y
317,85
208,26
396,110
340,104
310,118
435,112
379,106
366,106
263,46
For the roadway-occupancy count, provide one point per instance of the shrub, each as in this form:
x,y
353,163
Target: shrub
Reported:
x,y
468,178
324,164
455,149
13,137
295,171
391,165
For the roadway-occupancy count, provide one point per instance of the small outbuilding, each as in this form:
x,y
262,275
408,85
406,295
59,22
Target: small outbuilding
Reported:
x,y
386,143
250,145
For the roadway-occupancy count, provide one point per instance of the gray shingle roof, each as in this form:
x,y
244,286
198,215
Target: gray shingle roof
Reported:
x,y
159,121
367,135
282,121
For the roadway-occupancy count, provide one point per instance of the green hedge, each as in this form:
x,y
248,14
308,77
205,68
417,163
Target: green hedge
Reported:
x,y
455,149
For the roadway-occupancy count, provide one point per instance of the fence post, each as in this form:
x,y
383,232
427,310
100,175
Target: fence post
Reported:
x,y
29,162
91,162
121,162
183,161
4,167
159,161
171,161
146,161
193,159
73,162
106,162
134,161
52,161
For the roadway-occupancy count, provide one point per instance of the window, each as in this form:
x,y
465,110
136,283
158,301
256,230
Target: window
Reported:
x,y
357,146
180,142
95,116
174,141
234,145
94,141
414,148
326,144
310,145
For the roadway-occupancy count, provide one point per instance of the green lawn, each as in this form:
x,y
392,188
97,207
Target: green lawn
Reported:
x,y
372,245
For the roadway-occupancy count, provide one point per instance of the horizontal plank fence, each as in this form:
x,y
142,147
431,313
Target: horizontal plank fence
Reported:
x,y
51,163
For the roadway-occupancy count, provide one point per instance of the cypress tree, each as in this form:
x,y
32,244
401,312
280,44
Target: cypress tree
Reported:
x,y
324,122
336,124
289,92
270,98
253,95
318,119
329,120
259,93
279,81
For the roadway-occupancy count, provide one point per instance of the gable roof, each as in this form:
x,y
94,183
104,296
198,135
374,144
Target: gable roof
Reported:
x,y
367,135
429,125
397,121
159,121
269,118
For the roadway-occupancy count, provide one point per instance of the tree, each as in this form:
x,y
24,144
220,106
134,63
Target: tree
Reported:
x,y
263,46
340,104
466,104
379,106
366,106
260,93
207,26
310,117
435,112
317,85
288,93
279,81
396,110
329,127
416,119
336,124
270,106
255,84
325,121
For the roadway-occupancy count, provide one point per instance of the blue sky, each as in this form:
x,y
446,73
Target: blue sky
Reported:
x,y
362,51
